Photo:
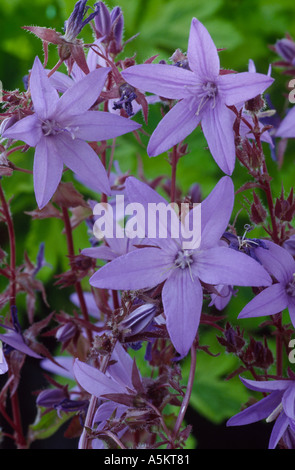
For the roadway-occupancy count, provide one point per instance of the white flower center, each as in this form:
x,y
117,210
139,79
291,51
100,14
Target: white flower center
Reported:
x,y
184,259
209,93
50,127
290,287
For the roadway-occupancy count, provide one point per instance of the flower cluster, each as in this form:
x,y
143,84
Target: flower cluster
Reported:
x,y
162,264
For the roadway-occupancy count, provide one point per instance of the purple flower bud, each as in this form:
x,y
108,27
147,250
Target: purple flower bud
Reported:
x,y
140,319
102,20
51,398
286,49
117,25
66,332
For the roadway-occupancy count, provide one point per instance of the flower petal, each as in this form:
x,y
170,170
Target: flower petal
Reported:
x,y
217,125
27,129
99,125
286,128
289,400
82,160
266,385
139,269
223,265
182,299
278,430
236,88
82,95
94,381
277,261
180,121
47,170
163,80
202,53
44,95
158,219
260,410
269,302
216,210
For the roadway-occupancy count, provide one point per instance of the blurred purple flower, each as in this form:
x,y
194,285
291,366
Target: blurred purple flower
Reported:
x,y
274,299
60,127
278,406
204,96
183,269
287,127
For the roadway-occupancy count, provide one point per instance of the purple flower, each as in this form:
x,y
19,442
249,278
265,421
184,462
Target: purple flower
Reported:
x,y
278,406
281,265
182,270
287,127
204,95
60,127
13,339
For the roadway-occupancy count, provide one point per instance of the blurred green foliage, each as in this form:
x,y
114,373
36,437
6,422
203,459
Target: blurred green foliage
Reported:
x,y
245,28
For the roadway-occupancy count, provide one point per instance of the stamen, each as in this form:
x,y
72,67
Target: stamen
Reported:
x,y
275,413
209,93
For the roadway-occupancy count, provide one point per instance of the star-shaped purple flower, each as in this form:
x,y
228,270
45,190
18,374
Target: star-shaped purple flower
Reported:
x,y
182,270
281,265
278,406
204,95
60,127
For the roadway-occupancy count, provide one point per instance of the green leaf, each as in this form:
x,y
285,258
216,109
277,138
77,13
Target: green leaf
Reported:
x,y
47,424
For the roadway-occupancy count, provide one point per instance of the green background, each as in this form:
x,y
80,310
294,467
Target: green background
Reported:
x,y
245,28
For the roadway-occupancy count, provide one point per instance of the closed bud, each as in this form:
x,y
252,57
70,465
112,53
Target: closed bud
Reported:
x,y
286,49
66,332
51,398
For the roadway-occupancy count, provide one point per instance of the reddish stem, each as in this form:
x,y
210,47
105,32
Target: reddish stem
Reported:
x,y
71,253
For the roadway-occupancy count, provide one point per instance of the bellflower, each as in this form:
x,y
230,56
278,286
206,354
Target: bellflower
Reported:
x,y
204,95
60,127
281,265
278,406
183,270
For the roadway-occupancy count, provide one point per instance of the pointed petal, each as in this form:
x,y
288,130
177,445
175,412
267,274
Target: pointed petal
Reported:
x,y
287,127
82,160
289,401
163,80
260,410
60,81
266,385
44,95
99,125
180,121
82,95
202,53
16,341
47,170
3,364
278,430
217,125
223,265
94,381
269,302
27,129
157,213
238,88
139,269
277,261
182,299
216,211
